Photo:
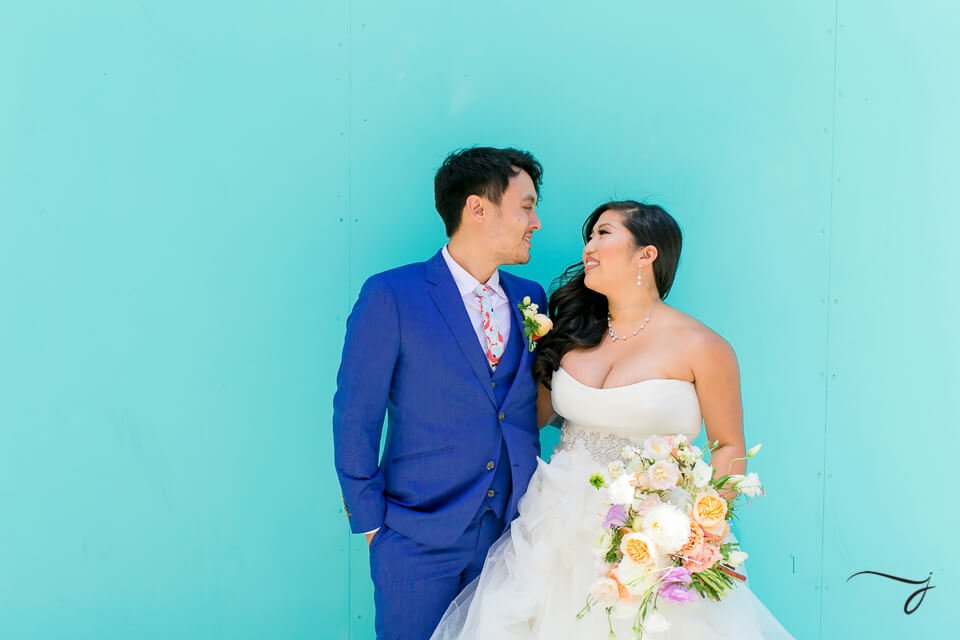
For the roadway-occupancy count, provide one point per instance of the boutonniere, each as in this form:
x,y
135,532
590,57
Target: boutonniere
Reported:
x,y
535,325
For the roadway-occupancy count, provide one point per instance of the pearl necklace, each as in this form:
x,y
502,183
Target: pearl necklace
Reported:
x,y
614,337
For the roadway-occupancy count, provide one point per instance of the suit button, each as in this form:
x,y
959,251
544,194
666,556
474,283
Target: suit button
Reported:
x,y
491,493
490,466
494,384
501,416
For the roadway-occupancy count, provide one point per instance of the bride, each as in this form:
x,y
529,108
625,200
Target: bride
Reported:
x,y
618,366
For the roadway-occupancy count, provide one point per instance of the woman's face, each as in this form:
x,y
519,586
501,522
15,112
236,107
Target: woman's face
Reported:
x,y
610,257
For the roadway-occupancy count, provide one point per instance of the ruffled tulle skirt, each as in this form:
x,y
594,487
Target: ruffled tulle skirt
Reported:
x,y
537,576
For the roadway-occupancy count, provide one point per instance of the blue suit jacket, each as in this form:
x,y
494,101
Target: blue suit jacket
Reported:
x,y
411,352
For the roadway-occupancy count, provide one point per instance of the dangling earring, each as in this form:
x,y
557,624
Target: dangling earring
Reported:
x,y
639,276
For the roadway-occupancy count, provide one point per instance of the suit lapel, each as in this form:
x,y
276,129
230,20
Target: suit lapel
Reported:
x,y
447,298
509,286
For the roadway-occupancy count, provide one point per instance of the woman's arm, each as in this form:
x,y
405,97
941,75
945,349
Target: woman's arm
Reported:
x,y
717,380
545,413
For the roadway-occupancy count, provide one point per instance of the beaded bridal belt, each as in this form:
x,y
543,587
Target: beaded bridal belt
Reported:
x,y
602,447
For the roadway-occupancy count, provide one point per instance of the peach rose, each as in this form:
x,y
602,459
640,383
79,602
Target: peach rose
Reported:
x,y
708,556
717,532
544,325
640,549
709,510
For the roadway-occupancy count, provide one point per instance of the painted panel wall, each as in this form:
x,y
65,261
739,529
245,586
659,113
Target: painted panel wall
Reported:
x,y
191,195
894,373
168,251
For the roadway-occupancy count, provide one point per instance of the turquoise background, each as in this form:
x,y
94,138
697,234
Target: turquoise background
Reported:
x,y
191,194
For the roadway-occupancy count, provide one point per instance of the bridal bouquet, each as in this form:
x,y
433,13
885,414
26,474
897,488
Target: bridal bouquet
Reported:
x,y
666,531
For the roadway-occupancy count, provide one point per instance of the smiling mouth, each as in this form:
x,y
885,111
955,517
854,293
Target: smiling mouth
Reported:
x,y
590,264
527,240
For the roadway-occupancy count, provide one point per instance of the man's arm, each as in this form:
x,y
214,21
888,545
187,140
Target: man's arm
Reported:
x,y
370,353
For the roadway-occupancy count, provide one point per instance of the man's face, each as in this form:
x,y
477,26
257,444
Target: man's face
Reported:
x,y
514,221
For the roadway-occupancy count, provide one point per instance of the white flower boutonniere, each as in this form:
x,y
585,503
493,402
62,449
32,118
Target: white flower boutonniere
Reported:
x,y
535,324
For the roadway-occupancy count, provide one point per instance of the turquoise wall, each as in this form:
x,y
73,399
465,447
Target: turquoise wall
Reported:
x,y
191,194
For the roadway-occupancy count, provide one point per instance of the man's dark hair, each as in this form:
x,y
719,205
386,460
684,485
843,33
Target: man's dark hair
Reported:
x,y
482,171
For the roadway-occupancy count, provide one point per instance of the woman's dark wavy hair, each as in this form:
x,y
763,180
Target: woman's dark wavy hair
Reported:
x,y
579,314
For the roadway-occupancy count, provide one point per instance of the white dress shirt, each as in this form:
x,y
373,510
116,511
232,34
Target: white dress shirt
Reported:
x,y
467,285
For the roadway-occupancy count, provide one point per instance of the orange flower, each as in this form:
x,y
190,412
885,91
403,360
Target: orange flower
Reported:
x,y
709,510
694,542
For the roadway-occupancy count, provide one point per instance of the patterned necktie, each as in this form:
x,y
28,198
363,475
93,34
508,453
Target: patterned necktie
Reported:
x,y
490,330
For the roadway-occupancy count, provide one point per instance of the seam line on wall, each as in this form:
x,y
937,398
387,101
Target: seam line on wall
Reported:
x,y
828,304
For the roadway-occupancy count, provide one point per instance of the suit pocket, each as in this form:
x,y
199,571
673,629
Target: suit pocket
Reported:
x,y
421,454
382,531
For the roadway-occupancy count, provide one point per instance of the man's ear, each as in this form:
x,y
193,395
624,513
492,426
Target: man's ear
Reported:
x,y
473,207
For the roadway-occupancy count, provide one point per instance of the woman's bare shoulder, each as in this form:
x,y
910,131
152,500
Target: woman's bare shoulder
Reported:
x,y
697,336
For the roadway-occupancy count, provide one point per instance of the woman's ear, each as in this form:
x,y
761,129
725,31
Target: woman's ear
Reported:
x,y
647,255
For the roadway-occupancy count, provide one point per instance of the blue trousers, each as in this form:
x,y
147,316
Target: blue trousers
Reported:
x,y
414,584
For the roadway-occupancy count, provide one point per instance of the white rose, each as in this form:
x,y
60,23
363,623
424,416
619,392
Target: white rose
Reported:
x,y
690,454
737,558
636,465
635,577
702,472
656,623
640,481
602,544
663,475
678,498
616,468
666,526
622,491
733,479
657,447
605,591
750,485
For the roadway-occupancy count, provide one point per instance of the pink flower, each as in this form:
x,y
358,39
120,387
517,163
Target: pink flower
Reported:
x,y
706,557
676,575
677,593
650,500
616,516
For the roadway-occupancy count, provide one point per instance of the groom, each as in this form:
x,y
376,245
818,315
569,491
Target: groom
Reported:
x,y
439,346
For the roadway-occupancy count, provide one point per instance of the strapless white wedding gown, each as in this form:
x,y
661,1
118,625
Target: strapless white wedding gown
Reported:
x,y
537,576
